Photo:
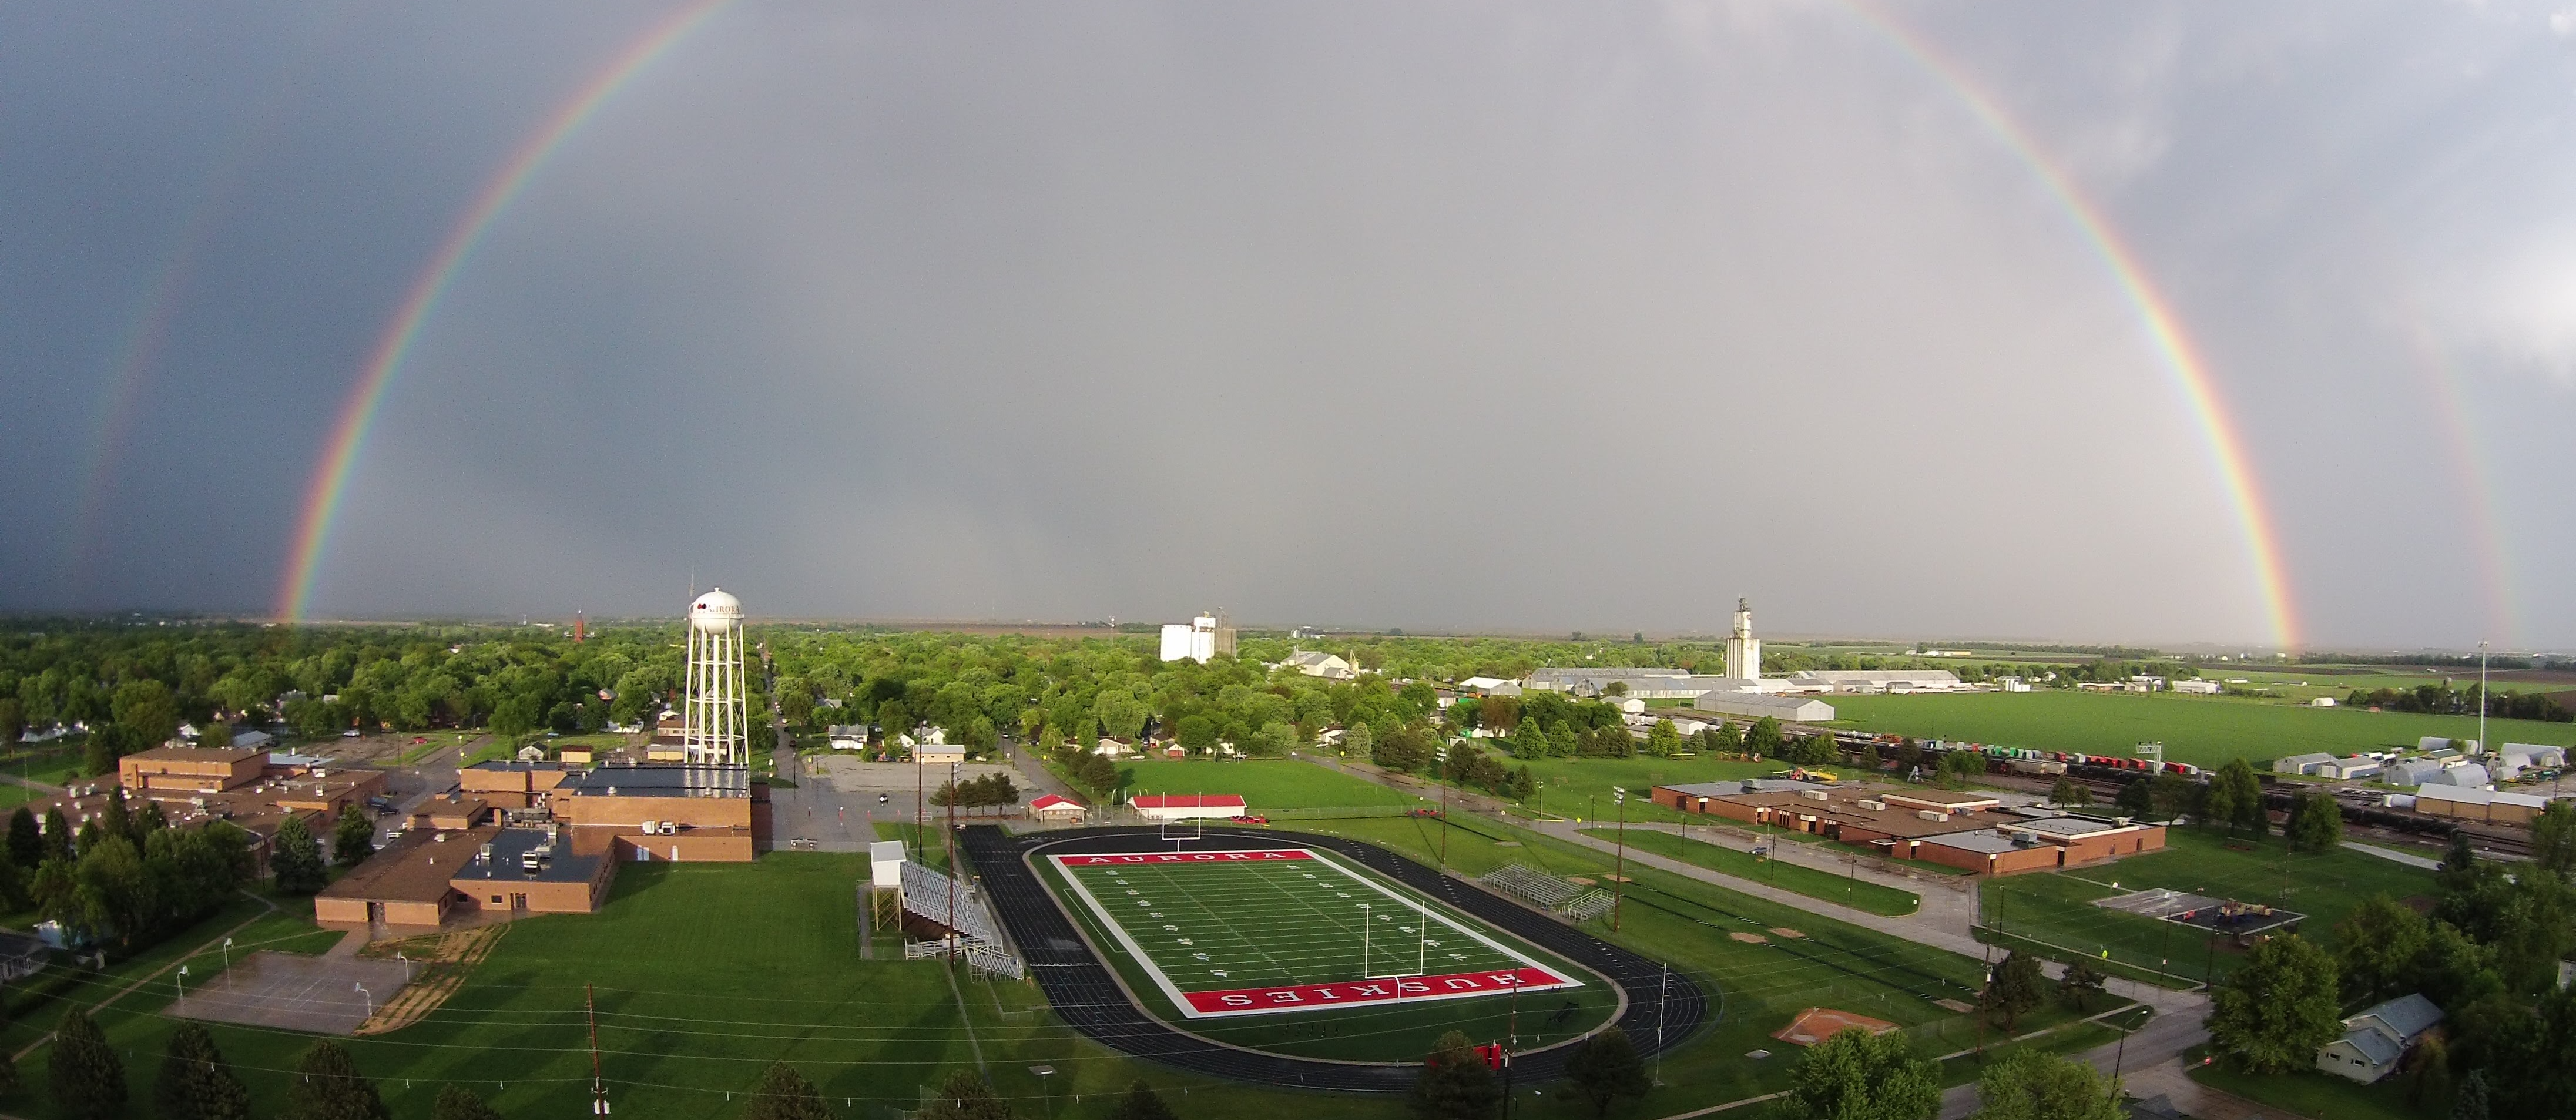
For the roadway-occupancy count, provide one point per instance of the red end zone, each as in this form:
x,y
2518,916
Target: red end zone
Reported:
x,y
1302,997
1185,857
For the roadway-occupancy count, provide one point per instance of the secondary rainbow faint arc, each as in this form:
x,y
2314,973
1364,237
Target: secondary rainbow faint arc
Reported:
x,y
2164,329
358,413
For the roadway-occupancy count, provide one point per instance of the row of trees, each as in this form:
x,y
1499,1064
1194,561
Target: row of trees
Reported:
x,y
2442,699
992,791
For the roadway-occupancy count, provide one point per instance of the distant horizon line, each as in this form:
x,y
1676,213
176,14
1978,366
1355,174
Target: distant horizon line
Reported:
x,y
1611,636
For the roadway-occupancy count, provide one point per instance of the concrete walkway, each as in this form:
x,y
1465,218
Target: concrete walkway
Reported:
x,y
2392,855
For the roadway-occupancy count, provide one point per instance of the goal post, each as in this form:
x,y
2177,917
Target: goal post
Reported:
x,y
1179,829
1393,954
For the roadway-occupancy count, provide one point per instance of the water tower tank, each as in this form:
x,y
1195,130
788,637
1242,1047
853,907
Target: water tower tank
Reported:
x,y
715,610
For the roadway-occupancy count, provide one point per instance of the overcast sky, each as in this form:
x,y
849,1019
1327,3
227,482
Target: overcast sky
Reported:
x,y
1496,315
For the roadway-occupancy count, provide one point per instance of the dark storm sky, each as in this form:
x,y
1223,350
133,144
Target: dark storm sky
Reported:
x,y
1485,315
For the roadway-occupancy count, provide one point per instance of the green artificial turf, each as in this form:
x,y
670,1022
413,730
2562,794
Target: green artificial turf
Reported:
x,y
2202,730
1812,882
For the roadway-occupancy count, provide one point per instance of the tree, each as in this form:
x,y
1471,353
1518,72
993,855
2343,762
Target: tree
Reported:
x,y
147,707
1142,1103
2378,946
2472,1102
328,1086
1358,740
13,722
2137,799
2032,1085
2277,1008
1663,740
1869,760
456,1102
2016,986
83,1072
1763,740
1605,1068
354,838
1725,739
1957,767
963,1096
785,1094
2063,793
195,1083
1455,1083
2176,796
1856,1075
26,841
2236,800
295,861
2316,823
1521,785
57,834
2080,983
2553,837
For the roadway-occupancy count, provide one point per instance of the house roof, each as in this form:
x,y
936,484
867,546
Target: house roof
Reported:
x,y
2377,1047
1052,800
1188,801
2406,1016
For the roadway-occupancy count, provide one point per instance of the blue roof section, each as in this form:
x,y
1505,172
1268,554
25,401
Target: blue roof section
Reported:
x,y
509,851
2407,1016
660,781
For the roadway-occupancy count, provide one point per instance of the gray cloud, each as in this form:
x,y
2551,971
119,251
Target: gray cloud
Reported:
x,y
1440,315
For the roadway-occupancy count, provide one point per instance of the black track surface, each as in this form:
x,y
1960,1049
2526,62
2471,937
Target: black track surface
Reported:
x,y
1089,999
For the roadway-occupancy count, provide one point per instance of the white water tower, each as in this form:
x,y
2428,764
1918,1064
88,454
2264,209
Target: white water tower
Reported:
x,y
711,713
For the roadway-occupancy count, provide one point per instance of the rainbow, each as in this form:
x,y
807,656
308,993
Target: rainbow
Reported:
x,y
358,413
2164,329
2486,529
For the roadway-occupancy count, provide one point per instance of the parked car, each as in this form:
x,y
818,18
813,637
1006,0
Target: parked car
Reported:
x,y
1248,818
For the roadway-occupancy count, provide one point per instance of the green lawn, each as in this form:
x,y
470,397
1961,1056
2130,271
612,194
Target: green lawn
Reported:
x,y
2203,730
2056,908
704,973
1812,882
1267,785
1754,989
1581,788
2325,1096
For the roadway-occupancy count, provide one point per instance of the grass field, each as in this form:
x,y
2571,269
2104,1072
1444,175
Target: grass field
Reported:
x,y
2057,907
1270,954
2322,1095
1581,787
1268,785
1755,987
2202,730
1812,882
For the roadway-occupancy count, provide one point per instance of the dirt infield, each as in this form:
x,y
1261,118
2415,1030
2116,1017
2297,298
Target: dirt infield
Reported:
x,y
295,992
1817,1024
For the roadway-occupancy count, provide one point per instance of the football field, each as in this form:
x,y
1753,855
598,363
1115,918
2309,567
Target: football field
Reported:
x,y
1281,930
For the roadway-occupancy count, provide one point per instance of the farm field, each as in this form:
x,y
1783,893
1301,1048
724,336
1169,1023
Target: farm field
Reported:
x,y
1814,883
2057,908
1297,952
1269,785
2205,731
704,974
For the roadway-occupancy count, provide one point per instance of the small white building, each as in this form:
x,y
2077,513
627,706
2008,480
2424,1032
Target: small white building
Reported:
x,y
2438,743
1057,807
2349,769
1183,806
2322,702
2196,687
2374,1040
2014,684
2468,775
2301,763
1315,663
1493,685
1790,709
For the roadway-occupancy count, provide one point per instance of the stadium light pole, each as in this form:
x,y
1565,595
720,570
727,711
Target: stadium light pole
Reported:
x,y
1619,864
952,861
2482,699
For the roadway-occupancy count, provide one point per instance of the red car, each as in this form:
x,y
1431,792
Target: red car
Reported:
x,y
1249,819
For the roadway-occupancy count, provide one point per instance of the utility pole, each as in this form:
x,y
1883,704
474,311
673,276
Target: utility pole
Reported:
x,y
953,882
598,1088
2482,699
1511,1042
1619,866
1444,816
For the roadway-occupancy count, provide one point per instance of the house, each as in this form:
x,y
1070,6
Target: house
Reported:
x,y
2374,1040
2301,763
1176,807
1315,663
1057,807
2196,687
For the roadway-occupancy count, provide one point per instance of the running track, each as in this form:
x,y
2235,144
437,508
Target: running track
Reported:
x,y
1090,1001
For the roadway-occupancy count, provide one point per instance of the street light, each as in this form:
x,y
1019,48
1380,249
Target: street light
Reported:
x,y
361,989
1044,1088
182,981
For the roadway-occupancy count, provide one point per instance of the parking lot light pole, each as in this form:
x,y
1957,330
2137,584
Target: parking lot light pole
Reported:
x,y
361,989
1619,864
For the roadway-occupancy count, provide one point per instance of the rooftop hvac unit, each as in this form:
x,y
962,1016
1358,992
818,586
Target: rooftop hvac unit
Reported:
x,y
1752,785
1872,804
484,855
1813,794
1932,814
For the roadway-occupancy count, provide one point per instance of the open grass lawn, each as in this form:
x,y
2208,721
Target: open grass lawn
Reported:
x,y
1580,787
1267,785
704,974
1809,881
1754,989
2203,730
2056,907
2325,1096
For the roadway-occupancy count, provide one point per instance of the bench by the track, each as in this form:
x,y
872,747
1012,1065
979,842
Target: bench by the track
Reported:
x,y
1087,996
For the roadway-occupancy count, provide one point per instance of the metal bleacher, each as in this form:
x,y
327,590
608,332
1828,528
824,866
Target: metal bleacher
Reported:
x,y
937,898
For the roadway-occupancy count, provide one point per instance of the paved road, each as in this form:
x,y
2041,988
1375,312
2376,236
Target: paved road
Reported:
x,y
2152,1055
